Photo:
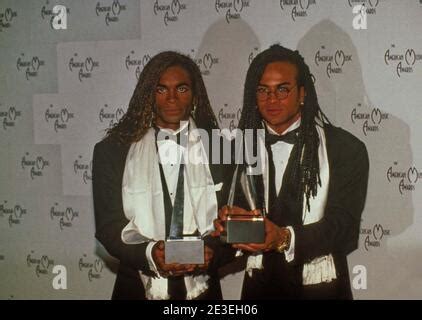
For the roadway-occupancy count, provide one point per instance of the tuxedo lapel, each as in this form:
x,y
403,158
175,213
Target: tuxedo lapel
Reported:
x,y
219,171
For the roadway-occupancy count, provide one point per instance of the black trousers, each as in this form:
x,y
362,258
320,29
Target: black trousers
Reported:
x,y
260,286
333,290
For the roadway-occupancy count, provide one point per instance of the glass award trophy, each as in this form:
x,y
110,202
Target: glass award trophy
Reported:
x,y
245,192
179,247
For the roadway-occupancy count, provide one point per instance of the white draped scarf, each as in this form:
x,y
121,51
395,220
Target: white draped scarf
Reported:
x,y
144,206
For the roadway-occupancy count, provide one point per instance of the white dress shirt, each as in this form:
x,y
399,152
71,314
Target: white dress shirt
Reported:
x,y
281,152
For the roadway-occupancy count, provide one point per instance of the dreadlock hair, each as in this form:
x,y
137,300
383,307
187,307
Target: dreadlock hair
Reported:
x,y
306,162
140,115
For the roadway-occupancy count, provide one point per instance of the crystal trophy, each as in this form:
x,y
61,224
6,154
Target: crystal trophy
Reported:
x,y
245,193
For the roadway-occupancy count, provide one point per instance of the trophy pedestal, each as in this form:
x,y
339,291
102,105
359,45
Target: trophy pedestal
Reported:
x,y
188,250
244,229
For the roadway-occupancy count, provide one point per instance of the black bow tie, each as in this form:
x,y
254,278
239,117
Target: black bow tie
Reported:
x,y
162,135
289,137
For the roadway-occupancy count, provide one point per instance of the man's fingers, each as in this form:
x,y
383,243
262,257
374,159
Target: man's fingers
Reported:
x,y
239,211
160,245
215,234
208,258
177,267
218,226
190,267
224,212
269,225
234,210
173,273
202,267
252,247
158,255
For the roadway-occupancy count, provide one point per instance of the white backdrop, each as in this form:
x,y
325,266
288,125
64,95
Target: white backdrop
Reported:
x,y
59,90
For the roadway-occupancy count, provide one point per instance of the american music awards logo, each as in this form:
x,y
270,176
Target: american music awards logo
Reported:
x,y
9,117
42,264
58,118
48,14
403,61
169,10
65,216
299,8
110,116
406,178
111,13
93,269
29,66
205,62
370,5
13,212
6,17
133,63
370,120
334,63
83,169
231,9
373,236
226,115
83,66
37,165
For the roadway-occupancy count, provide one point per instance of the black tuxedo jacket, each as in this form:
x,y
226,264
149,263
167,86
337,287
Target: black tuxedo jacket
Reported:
x,y
336,233
108,166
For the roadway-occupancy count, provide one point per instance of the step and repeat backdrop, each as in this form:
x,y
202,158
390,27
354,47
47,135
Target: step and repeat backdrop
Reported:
x,y
68,69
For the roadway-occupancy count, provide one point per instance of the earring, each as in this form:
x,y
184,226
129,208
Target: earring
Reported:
x,y
302,103
193,109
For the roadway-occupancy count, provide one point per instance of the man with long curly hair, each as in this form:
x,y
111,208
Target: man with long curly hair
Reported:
x,y
314,178
146,188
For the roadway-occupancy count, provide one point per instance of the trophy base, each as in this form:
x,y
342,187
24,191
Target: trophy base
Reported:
x,y
188,250
244,229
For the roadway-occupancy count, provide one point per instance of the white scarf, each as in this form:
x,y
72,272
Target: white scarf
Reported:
x,y
320,269
144,206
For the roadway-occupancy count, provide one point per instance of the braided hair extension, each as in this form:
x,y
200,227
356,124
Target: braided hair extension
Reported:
x,y
140,115
306,162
